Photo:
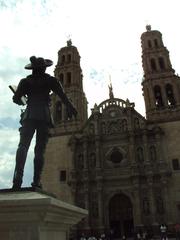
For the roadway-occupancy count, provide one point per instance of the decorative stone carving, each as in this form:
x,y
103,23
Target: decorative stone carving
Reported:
x,y
112,128
159,205
103,128
139,155
146,207
80,162
153,153
91,129
94,205
92,161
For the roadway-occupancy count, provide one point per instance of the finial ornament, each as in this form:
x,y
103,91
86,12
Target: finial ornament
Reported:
x,y
111,95
148,27
69,43
128,104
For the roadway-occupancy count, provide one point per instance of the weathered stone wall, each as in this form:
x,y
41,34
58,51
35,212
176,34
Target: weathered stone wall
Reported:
x,y
172,139
57,157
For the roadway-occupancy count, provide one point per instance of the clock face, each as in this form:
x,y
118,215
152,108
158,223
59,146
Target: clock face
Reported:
x,y
112,113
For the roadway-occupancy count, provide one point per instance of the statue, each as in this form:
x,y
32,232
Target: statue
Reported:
x,y
36,117
111,95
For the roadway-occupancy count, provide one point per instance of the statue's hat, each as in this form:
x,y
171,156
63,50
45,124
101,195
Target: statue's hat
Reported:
x,y
38,62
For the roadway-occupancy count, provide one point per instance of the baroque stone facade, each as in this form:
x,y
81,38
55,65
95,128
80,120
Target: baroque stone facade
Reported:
x,y
121,166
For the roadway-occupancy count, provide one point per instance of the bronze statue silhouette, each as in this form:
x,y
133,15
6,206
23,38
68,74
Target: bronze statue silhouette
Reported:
x,y
36,117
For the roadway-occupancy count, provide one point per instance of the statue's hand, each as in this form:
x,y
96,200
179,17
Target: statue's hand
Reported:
x,y
71,110
17,101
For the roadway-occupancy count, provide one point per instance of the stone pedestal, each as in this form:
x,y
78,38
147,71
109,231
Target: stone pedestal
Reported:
x,y
32,215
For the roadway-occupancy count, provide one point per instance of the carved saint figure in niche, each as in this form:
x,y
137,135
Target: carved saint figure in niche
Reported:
x,y
124,125
136,123
146,207
80,162
120,125
94,205
92,162
95,211
103,128
153,153
112,128
159,205
91,129
139,155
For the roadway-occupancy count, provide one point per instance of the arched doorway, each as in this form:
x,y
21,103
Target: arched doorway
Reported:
x,y
121,215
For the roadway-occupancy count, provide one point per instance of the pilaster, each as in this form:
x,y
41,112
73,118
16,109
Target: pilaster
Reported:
x,y
151,200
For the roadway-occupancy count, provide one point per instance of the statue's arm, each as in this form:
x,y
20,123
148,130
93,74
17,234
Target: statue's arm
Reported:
x,y
19,93
58,89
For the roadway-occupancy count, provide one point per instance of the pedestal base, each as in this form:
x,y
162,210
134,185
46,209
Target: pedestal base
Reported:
x,y
31,215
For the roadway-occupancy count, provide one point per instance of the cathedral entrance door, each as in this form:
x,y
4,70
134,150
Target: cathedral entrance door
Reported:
x,y
121,216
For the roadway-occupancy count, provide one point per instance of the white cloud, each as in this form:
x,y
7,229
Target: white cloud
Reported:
x,y
7,152
8,145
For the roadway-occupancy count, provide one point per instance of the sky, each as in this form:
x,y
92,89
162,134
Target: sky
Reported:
x,y
107,34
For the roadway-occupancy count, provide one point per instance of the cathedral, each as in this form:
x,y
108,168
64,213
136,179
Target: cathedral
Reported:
x,y
124,168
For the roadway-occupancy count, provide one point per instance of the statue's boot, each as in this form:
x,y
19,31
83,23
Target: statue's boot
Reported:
x,y
21,155
41,141
38,166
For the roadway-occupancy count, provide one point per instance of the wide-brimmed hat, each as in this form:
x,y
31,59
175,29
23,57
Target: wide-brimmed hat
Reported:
x,y
38,62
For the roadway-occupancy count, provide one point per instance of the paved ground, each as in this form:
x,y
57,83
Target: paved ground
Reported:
x,y
156,238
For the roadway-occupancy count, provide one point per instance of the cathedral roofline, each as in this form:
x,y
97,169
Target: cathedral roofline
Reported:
x,y
112,102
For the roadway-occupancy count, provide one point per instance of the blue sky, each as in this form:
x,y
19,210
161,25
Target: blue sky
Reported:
x,y
107,35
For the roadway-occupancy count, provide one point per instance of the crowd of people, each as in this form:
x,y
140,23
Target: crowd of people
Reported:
x,y
101,236
138,235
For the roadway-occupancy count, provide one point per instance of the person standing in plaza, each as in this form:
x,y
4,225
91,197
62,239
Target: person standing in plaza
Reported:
x,y
163,231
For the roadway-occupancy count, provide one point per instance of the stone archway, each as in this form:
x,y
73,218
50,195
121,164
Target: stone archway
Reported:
x,y
121,215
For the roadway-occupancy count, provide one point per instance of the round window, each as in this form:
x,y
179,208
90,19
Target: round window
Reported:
x,y
116,157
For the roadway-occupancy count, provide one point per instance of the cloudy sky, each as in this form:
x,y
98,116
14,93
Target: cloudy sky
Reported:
x,y
107,35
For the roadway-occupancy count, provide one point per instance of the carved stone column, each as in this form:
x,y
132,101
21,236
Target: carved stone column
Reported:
x,y
147,163
151,200
164,97
131,149
97,149
86,196
72,174
72,144
167,201
159,150
100,205
145,145
85,152
146,95
132,158
176,94
137,202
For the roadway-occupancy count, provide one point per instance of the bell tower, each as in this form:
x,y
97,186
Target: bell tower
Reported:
x,y
161,86
68,72
59,156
